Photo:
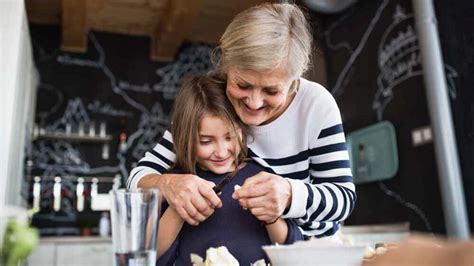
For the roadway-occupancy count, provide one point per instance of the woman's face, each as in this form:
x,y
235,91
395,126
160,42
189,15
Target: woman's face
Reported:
x,y
258,98
218,145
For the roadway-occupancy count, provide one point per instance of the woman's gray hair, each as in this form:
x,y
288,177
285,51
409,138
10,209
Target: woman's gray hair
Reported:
x,y
266,37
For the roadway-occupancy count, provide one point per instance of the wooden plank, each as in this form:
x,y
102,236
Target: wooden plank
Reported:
x,y
74,28
47,12
172,29
214,18
137,20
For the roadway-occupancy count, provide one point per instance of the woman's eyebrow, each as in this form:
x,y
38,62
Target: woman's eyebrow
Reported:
x,y
245,83
238,80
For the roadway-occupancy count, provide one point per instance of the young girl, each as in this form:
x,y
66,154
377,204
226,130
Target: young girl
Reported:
x,y
210,142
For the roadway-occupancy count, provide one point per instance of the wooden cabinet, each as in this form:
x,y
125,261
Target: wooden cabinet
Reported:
x,y
66,251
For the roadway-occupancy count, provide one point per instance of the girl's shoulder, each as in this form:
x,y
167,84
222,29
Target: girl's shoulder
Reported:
x,y
251,167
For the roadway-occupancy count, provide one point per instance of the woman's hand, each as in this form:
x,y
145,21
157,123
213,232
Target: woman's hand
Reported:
x,y
265,195
191,196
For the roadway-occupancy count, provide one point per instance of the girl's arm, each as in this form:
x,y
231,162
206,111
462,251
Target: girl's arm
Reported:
x,y
170,225
277,231
284,231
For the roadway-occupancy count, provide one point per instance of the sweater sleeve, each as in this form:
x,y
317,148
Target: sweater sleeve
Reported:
x,y
294,232
329,195
156,161
169,257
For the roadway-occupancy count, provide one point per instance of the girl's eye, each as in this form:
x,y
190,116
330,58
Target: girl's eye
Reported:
x,y
204,142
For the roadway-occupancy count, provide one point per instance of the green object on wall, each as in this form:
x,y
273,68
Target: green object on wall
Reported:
x,y
373,153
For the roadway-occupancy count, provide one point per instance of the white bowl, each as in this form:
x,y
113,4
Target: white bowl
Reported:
x,y
315,255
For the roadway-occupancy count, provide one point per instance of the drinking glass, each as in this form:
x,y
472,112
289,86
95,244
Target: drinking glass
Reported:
x,y
134,216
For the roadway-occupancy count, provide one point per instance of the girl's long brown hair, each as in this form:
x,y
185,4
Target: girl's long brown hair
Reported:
x,y
197,96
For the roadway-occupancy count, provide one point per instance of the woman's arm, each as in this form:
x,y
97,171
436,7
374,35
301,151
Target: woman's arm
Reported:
x,y
170,225
320,196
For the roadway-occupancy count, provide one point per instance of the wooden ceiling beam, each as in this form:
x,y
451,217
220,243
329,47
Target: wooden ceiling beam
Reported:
x,y
74,28
173,27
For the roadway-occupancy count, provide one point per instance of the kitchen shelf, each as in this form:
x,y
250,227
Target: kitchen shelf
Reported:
x,y
73,178
73,137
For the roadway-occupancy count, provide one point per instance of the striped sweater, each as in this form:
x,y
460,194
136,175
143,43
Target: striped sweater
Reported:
x,y
306,145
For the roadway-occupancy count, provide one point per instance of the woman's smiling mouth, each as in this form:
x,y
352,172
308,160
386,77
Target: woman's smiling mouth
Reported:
x,y
251,110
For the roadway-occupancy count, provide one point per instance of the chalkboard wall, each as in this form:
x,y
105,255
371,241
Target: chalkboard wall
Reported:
x,y
374,71
114,84
455,20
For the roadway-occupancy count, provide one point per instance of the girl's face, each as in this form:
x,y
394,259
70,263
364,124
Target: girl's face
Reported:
x,y
218,145
258,98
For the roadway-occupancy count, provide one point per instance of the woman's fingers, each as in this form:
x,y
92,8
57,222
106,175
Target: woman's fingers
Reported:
x,y
262,215
184,214
191,196
253,186
265,195
208,193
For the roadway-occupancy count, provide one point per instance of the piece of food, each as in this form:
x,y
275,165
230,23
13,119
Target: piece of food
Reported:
x,y
196,259
259,263
214,257
369,253
380,250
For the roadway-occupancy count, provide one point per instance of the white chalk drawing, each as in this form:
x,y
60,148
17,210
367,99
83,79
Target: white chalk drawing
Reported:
x,y
342,79
74,114
98,107
61,158
151,128
398,57
399,60
59,98
124,85
194,61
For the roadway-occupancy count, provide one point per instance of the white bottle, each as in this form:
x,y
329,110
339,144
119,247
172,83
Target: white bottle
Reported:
x,y
104,224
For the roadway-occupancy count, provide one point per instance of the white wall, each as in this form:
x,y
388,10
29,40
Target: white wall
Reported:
x,y
18,81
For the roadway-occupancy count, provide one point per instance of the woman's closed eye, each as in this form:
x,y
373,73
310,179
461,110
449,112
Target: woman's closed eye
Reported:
x,y
243,86
270,92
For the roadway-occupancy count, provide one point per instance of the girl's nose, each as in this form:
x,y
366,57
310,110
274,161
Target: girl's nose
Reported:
x,y
221,150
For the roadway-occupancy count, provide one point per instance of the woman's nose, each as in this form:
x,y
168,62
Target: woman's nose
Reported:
x,y
254,101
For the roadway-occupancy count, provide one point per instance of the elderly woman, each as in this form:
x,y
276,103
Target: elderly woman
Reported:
x,y
296,126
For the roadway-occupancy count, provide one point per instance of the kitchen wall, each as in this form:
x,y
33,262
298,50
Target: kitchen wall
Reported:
x,y
374,71
114,87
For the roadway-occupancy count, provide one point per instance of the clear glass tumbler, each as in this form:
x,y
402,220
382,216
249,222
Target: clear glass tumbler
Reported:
x,y
134,216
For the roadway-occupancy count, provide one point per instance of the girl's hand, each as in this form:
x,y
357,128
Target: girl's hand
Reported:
x,y
265,195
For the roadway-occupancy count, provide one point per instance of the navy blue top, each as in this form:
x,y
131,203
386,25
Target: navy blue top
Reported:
x,y
231,226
